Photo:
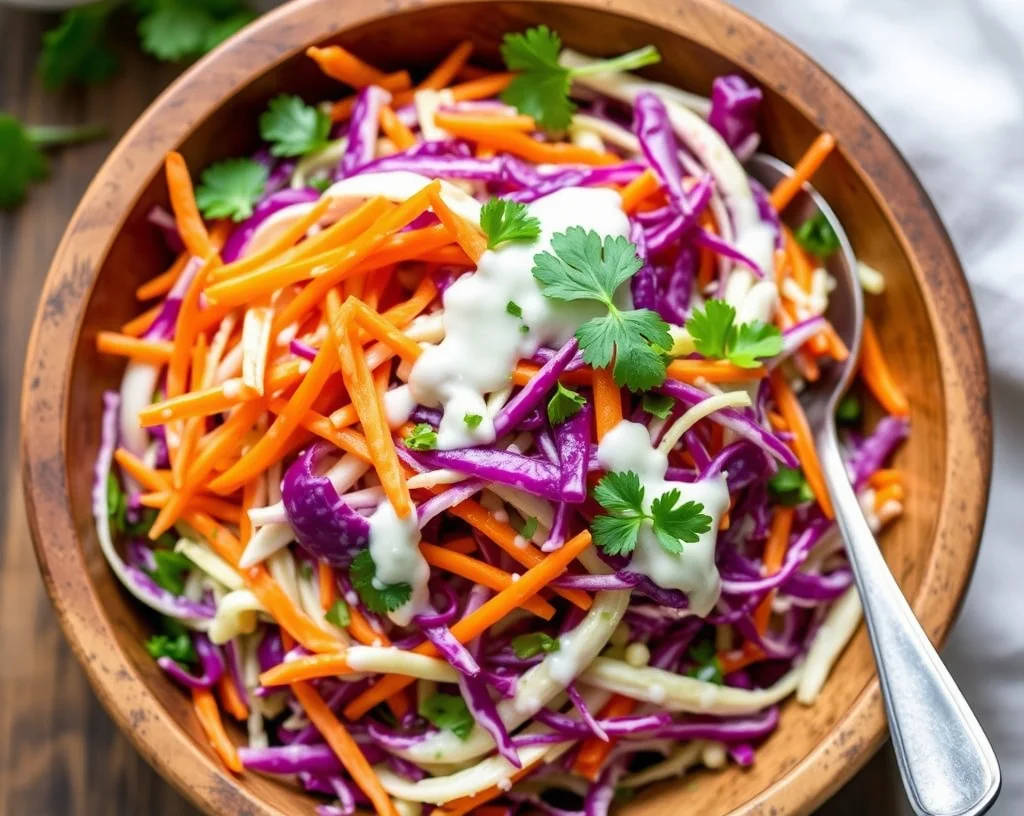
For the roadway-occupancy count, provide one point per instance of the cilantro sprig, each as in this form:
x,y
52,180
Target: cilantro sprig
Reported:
x,y
535,643
657,405
541,89
503,220
177,647
448,712
378,597
585,268
621,494
170,570
292,127
231,188
422,438
473,421
788,486
716,334
564,404
817,236
338,614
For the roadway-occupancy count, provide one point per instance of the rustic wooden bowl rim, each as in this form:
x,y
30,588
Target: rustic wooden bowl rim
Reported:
x,y
274,39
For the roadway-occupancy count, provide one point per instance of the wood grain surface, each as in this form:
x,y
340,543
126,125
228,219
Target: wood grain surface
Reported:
x,y
59,751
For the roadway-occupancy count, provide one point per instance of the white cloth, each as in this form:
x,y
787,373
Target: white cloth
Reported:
x,y
945,79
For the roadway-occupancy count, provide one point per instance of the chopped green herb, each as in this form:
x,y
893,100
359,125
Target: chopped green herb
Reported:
x,y
306,569
541,89
320,184
177,647
787,486
117,504
231,188
423,437
514,309
503,220
472,421
448,712
338,614
584,268
292,127
657,405
849,410
77,50
536,643
817,236
716,335
379,598
565,403
709,667
169,571
184,29
622,496
529,528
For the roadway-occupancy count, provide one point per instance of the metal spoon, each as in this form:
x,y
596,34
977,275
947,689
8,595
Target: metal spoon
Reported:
x,y
945,759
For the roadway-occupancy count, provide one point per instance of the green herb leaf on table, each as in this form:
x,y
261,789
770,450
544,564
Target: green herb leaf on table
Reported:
x,y
817,236
503,220
292,127
585,268
541,89
338,614
472,421
76,51
657,405
526,646
564,404
717,336
231,188
423,437
177,647
787,486
170,570
448,712
378,598
174,30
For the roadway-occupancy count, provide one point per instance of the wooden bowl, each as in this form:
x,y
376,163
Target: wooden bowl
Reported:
x,y
926,317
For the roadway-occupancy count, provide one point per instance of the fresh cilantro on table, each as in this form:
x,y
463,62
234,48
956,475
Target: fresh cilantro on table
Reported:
x,y
231,188
541,89
817,236
529,528
657,405
585,268
292,127
503,220
716,335
536,643
708,667
76,50
377,597
170,570
622,496
177,647
338,614
423,437
21,158
564,404
182,29
788,486
448,712
472,421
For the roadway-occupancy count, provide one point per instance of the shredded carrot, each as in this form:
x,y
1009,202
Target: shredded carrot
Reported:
x,y
480,572
877,374
524,372
395,129
469,627
644,185
884,478
344,66
186,214
892,492
137,326
398,83
344,747
481,88
809,163
446,70
386,332
359,627
310,667
468,235
155,352
607,401
208,715
328,586
713,371
463,544
706,269
186,329
739,659
231,699
775,548
803,442
163,283
519,144
472,804
519,123
799,264
218,508
593,751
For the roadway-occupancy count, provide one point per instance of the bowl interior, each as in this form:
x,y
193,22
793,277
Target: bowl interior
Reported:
x,y
419,36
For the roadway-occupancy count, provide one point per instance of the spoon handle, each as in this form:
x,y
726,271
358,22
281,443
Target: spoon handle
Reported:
x,y
945,759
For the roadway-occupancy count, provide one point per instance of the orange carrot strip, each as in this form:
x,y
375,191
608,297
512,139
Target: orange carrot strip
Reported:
x,y
348,440
467,235
359,627
469,627
517,122
472,72
208,715
593,751
884,478
607,401
344,66
774,554
528,148
524,372
261,455
713,371
395,129
344,747
137,326
834,344
309,667
218,508
398,83
472,804
803,442
481,88
800,265
446,70
876,373
283,610
481,573
155,352
164,282
231,699
463,544
414,245
805,168
185,330
892,492
183,202
386,332
328,586
644,185
739,659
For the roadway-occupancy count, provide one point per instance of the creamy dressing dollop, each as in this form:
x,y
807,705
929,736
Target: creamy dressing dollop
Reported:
x,y
628,446
483,339
395,550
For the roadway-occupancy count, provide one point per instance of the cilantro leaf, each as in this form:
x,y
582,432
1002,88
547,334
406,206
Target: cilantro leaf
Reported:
x,y
620,492
682,524
379,598
231,188
169,570
423,437
177,647
76,51
787,486
817,236
541,89
564,404
117,504
292,127
529,528
616,535
448,712
514,309
848,412
503,220
657,405
716,335
585,268
472,421
708,667
174,30
338,614
534,644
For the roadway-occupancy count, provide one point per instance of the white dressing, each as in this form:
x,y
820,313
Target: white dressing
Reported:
x,y
394,548
483,341
693,572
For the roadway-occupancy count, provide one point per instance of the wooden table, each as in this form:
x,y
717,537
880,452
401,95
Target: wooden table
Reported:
x,y
59,752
